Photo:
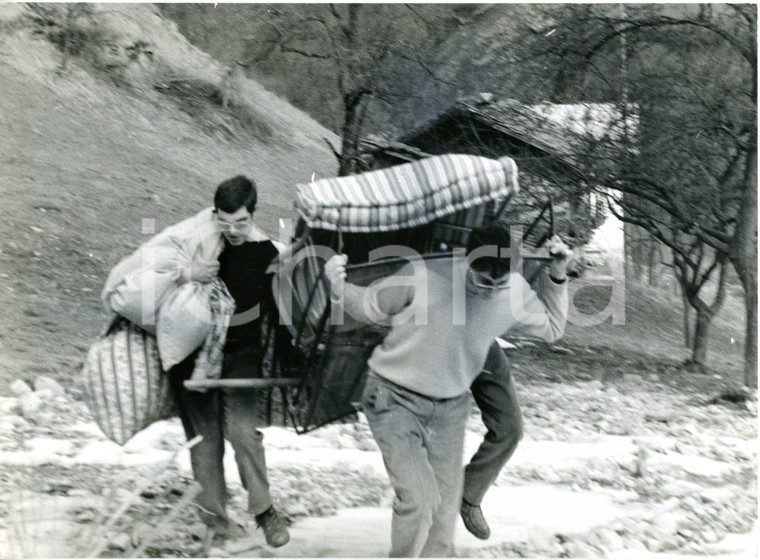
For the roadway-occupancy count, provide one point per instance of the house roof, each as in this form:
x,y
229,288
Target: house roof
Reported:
x,y
563,131
375,144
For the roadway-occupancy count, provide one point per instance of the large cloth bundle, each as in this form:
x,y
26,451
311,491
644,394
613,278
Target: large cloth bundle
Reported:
x,y
145,287
137,286
126,387
407,195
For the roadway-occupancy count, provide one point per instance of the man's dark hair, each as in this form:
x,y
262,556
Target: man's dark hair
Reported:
x,y
494,234
235,193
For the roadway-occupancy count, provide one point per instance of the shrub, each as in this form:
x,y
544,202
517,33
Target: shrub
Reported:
x,y
70,27
204,101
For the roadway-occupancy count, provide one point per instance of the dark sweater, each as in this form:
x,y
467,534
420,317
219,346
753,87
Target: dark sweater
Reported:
x,y
242,268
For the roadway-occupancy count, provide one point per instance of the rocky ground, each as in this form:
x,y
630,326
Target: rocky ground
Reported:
x,y
629,467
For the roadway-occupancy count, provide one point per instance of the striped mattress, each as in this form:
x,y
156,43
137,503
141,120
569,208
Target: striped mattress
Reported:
x,y
407,195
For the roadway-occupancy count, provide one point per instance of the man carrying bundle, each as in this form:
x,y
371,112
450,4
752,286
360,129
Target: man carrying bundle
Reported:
x,y
220,243
417,394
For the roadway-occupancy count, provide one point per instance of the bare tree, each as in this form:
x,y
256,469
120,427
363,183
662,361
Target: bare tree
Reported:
x,y
360,46
689,175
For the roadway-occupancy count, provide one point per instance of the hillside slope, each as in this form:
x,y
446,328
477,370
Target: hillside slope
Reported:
x,y
89,155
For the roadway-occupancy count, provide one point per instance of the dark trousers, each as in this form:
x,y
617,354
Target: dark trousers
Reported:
x,y
215,414
495,395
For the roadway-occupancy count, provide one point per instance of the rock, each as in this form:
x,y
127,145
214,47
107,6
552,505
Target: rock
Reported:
x,y
297,509
622,427
198,531
580,550
6,427
194,550
561,350
79,493
670,504
679,488
634,543
140,532
50,447
662,417
45,394
717,495
20,387
46,383
85,516
122,495
30,404
18,422
710,536
653,544
247,544
8,405
553,550
667,524
216,552
121,541
550,476
595,385
610,540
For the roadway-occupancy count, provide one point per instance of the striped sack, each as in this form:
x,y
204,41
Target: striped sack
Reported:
x,y
126,388
407,195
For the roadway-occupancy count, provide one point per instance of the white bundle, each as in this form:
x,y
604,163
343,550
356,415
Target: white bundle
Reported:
x,y
126,386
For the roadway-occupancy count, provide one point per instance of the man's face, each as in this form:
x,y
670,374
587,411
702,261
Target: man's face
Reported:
x,y
235,226
485,282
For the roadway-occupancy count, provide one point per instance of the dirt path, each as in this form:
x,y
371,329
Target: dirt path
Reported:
x,y
588,496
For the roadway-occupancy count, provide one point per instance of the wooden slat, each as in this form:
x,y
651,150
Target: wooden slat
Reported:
x,y
261,383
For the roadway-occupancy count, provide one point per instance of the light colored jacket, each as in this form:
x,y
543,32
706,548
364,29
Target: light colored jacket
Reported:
x,y
138,286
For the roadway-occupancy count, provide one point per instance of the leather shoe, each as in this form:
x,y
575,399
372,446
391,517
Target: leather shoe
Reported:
x,y
474,520
273,525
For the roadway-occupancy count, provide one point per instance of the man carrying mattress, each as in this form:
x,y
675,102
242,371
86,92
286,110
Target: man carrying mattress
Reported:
x,y
184,284
416,398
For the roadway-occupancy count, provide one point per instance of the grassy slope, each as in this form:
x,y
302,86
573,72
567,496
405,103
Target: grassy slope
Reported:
x,y
83,162
648,343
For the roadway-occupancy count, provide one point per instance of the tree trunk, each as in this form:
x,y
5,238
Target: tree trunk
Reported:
x,y
67,32
351,131
348,146
704,312
654,258
744,259
687,332
701,336
750,344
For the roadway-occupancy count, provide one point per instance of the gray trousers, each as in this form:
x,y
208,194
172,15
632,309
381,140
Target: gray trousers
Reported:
x,y
422,442
495,395
214,415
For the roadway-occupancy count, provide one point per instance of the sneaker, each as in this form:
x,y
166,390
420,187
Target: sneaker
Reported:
x,y
274,528
474,520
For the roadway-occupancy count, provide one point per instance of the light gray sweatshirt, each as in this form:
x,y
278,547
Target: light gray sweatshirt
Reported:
x,y
442,326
